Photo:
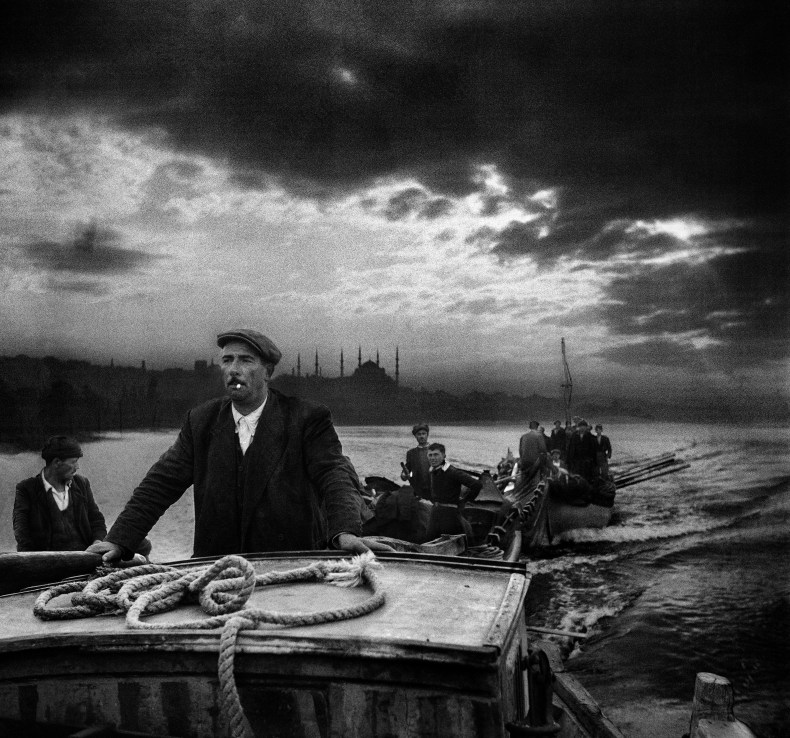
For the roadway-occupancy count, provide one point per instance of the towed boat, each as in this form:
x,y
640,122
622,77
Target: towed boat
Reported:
x,y
425,645
400,519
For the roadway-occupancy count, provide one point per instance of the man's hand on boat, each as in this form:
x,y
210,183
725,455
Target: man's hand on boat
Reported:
x,y
108,551
355,544
112,552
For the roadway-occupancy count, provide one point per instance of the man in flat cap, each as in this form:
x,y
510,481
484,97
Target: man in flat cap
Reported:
x,y
268,470
582,452
55,510
416,469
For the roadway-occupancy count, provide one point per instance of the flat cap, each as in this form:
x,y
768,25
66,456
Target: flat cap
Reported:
x,y
419,427
60,447
262,345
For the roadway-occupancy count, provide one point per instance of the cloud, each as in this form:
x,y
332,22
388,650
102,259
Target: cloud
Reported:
x,y
662,108
78,287
660,352
415,202
734,300
92,251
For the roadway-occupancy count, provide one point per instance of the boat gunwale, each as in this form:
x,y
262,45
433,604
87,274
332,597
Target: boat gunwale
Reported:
x,y
447,560
254,643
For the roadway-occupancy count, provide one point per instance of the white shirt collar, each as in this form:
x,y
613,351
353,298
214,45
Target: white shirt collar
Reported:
x,y
443,467
61,498
251,418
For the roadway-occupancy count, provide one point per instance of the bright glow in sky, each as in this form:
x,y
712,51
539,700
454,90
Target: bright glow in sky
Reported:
x,y
389,176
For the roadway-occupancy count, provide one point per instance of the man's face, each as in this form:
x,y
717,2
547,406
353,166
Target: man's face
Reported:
x,y
67,468
422,437
435,457
244,374
598,431
557,425
583,429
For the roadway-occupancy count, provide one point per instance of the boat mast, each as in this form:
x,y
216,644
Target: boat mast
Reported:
x,y
567,385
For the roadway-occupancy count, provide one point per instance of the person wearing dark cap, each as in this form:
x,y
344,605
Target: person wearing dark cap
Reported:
x,y
416,469
603,447
55,510
268,470
557,439
582,452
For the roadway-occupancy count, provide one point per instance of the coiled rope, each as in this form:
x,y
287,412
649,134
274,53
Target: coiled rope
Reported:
x,y
222,590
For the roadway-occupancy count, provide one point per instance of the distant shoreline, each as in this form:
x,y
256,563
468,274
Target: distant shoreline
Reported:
x,y
11,448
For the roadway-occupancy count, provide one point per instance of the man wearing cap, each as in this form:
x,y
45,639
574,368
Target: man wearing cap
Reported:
x,y
582,450
416,469
603,448
55,510
268,470
557,440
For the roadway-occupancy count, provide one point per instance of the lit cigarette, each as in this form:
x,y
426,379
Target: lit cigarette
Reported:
x,y
238,386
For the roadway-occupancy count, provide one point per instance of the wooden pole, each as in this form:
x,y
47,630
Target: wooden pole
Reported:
x,y
19,569
653,476
645,467
623,478
639,462
712,711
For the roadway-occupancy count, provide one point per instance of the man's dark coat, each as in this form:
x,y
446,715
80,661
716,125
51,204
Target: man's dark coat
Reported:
x,y
294,489
582,455
417,464
33,509
603,445
558,440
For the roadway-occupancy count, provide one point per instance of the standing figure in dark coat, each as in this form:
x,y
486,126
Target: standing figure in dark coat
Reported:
x,y
268,470
447,495
55,510
532,455
582,452
603,451
415,470
557,440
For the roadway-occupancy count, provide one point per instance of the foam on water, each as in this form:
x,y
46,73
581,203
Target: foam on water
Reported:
x,y
647,531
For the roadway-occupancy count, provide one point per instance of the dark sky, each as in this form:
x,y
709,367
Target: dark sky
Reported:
x,y
643,145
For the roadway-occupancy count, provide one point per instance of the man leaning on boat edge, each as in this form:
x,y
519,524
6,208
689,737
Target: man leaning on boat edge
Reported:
x,y
268,470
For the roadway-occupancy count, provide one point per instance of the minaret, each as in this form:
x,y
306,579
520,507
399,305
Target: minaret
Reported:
x,y
377,357
341,363
360,357
298,365
397,366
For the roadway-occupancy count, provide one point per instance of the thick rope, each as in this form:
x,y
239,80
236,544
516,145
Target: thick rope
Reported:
x,y
222,589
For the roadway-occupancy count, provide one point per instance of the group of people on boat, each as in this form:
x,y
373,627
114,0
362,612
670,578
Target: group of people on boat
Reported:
x,y
268,472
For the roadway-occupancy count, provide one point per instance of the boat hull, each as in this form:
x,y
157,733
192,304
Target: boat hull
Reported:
x,y
561,517
442,657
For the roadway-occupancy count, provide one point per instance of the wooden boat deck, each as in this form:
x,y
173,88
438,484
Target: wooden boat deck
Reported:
x,y
433,603
442,657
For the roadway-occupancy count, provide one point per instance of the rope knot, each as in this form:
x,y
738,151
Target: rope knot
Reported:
x,y
354,572
225,586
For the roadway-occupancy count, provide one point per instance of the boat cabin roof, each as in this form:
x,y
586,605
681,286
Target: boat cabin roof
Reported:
x,y
440,608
